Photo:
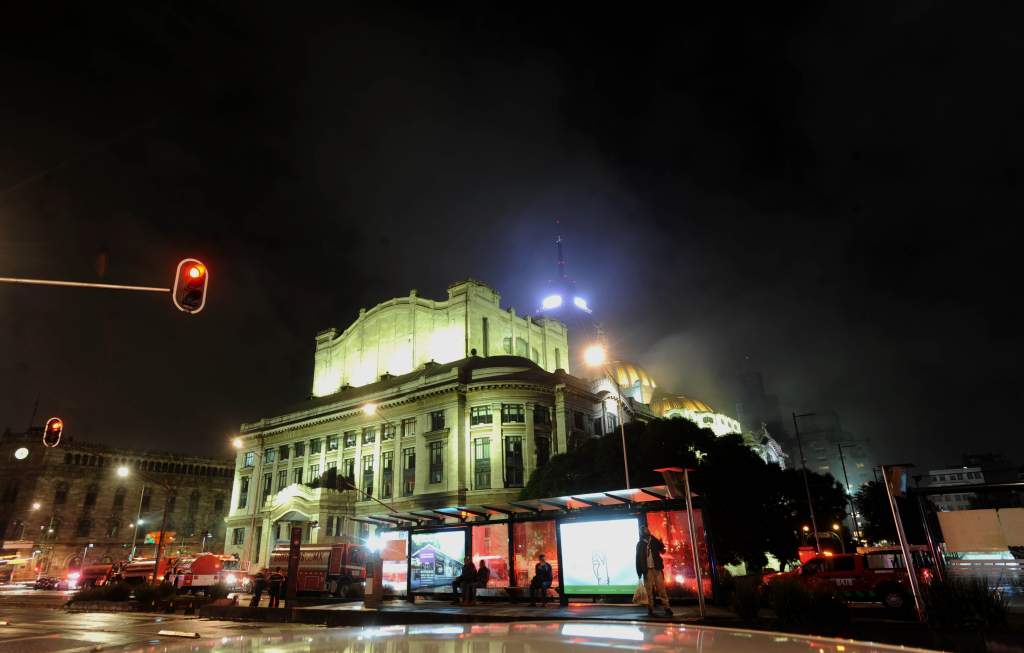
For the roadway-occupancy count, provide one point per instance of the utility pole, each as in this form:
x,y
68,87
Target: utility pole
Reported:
x,y
853,506
807,485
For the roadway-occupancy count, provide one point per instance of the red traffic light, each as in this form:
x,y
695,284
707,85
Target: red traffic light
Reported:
x,y
51,434
190,282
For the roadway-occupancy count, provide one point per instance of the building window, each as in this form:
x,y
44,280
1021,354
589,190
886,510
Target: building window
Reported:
x,y
243,491
387,473
513,461
268,484
482,464
350,438
147,497
387,432
315,445
348,470
218,503
283,450
332,443
300,449
90,495
282,479
369,435
269,456
193,502
408,471
437,420
172,500
368,475
408,427
436,461
119,498
543,447
512,413
238,536
479,415
577,420
60,496
112,528
250,458
598,426
314,472
541,416
297,475
613,422
84,528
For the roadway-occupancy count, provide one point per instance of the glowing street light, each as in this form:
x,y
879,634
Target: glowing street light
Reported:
x,y
835,527
21,453
36,505
370,409
595,355
805,528
122,472
551,302
237,443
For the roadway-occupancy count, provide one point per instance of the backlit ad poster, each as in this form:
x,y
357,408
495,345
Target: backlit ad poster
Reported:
x,y
599,557
437,560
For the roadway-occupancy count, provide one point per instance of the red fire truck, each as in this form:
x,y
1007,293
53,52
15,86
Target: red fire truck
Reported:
x,y
95,575
201,572
140,570
325,567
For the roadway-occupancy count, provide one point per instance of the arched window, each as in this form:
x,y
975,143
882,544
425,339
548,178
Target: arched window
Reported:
x,y
147,496
193,502
112,527
172,500
506,344
522,348
119,498
90,495
84,527
218,503
78,459
60,495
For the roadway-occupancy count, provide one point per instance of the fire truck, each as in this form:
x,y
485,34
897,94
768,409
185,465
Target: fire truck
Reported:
x,y
95,575
201,572
140,570
325,568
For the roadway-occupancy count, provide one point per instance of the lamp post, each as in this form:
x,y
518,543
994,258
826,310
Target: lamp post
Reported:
x,y
807,485
123,472
594,356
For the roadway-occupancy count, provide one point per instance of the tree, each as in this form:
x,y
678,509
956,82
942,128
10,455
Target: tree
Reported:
x,y
750,508
876,516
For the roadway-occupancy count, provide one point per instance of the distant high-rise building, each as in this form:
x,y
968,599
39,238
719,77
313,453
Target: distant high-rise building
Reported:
x,y
756,407
953,476
829,449
563,302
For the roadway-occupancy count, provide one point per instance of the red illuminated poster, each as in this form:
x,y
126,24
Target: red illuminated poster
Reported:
x,y
490,544
670,527
533,538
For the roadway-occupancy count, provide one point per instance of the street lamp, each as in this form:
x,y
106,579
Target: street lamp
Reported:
x,y
237,443
807,485
849,494
123,472
594,356
36,505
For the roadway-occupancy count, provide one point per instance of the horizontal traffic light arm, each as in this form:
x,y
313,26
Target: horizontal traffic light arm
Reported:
x,y
80,284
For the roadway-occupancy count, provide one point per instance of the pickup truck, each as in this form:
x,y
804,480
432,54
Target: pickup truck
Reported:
x,y
875,576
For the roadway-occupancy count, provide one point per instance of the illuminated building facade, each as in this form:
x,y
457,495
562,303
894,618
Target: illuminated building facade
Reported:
x,y
60,504
467,424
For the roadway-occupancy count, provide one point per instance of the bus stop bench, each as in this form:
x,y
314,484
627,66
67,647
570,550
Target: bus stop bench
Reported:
x,y
516,594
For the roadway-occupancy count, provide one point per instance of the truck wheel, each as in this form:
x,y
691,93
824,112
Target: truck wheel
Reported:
x,y
334,588
894,598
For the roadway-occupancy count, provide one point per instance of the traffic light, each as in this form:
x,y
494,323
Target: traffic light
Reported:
x,y
190,281
52,432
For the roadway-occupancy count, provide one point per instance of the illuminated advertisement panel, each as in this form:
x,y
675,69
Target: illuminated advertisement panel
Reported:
x,y
599,557
490,544
394,553
437,560
671,528
531,539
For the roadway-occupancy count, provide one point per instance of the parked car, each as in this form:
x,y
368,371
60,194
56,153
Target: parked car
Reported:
x,y
872,575
46,583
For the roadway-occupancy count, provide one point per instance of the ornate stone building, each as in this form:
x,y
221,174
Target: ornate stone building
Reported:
x,y
59,504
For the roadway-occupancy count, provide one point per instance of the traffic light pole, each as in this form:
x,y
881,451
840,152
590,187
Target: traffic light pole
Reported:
x,y
80,284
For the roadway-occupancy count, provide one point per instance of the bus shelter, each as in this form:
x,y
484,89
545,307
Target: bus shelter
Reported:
x,y
589,540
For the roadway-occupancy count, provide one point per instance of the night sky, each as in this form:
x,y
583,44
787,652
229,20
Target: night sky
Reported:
x,y
829,196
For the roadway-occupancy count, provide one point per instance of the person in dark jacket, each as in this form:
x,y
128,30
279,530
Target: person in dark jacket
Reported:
x,y
541,582
650,567
276,584
259,585
464,583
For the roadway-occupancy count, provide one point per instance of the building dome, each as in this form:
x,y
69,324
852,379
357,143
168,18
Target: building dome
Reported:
x,y
634,380
664,403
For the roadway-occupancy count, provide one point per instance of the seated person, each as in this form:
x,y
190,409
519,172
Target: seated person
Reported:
x,y
483,575
464,583
541,582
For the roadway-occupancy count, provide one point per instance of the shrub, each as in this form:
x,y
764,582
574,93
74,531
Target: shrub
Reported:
x,y
113,592
117,592
745,600
964,603
88,594
821,611
790,600
150,594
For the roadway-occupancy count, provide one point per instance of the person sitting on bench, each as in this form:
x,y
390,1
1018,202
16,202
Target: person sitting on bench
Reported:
x,y
483,575
541,582
464,583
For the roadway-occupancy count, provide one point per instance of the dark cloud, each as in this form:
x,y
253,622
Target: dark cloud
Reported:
x,y
825,194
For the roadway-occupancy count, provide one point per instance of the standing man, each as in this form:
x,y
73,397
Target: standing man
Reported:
x,y
650,568
259,585
276,583
541,581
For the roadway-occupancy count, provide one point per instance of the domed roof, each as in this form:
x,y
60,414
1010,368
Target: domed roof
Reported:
x,y
664,403
630,375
